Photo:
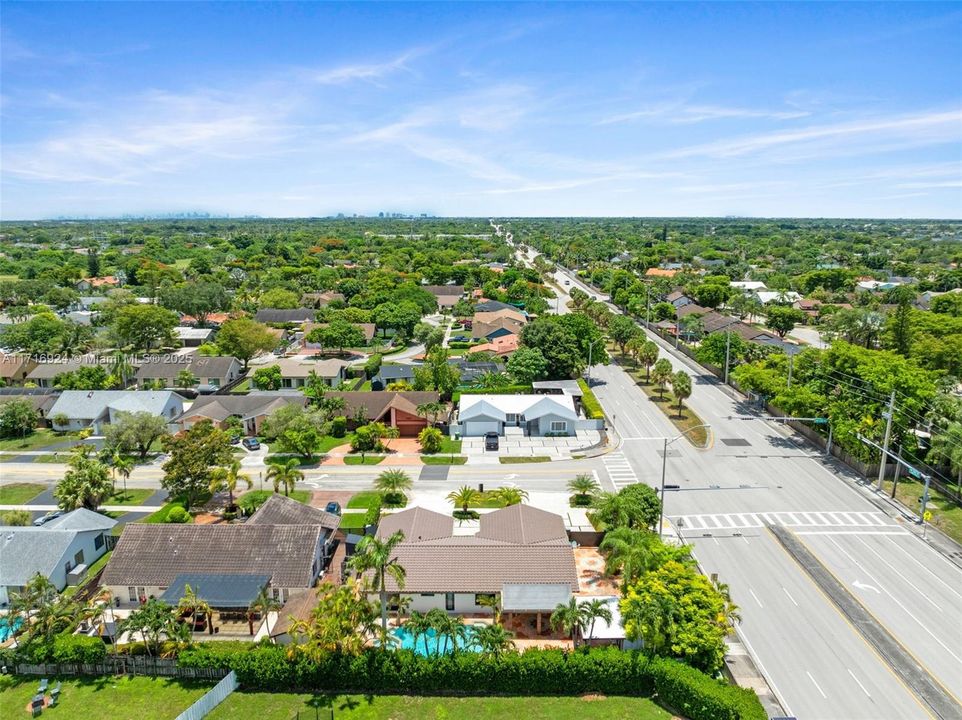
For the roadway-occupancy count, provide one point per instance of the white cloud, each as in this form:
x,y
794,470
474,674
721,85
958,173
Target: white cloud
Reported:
x,y
678,113
366,71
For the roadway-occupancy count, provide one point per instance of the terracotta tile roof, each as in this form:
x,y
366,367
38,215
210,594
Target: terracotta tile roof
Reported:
x,y
523,525
376,403
659,272
153,555
503,345
417,524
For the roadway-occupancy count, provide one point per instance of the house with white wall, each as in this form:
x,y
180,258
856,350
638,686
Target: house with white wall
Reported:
x,y
520,554
528,415
79,409
60,550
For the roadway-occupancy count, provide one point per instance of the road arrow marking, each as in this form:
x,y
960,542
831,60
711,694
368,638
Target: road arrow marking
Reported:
x,y
510,477
863,586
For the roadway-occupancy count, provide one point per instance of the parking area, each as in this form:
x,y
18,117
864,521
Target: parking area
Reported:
x,y
560,448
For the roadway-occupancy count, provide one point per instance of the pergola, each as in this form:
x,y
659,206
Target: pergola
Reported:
x,y
533,598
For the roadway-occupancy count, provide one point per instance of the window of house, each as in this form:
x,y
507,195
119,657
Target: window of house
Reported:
x,y
511,418
132,593
99,541
427,594
449,601
559,426
79,557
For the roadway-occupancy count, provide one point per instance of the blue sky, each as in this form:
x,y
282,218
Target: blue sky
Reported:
x,y
289,109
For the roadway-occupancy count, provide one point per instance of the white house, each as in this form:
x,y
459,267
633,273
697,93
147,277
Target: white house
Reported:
x,y
777,296
876,285
533,415
60,550
748,286
96,408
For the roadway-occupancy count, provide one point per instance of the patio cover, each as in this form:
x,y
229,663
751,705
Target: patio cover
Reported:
x,y
218,591
533,597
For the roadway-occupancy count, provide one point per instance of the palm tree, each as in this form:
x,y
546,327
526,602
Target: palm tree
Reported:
x,y
227,478
509,495
661,375
431,410
681,386
375,554
463,496
634,348
459,634
584,487
648,354
418,624
124,466
947,445
492,639
655,619
633,552
436,619
287,474
191,604
570,618
594,610
393,484
492,601
730,612
264,604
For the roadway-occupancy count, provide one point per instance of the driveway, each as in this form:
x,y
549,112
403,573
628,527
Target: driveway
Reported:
x,y
557,448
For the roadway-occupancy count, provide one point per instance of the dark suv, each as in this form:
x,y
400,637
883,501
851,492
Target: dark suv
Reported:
x,y
491,441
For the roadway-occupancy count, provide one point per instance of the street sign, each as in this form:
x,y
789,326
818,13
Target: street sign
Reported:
x,y
927,517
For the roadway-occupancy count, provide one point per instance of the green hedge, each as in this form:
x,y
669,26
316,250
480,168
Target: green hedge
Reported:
x,y
535,672
506,390
64,649
589,402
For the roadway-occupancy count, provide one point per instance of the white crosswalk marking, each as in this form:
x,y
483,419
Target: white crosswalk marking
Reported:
x,y
798,519
619,470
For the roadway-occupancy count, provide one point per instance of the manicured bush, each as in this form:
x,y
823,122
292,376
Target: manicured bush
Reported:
x,y
78,649
589,402
339,426
546,672
178,515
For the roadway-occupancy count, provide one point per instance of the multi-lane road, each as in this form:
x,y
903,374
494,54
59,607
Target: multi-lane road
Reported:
x,y
758,474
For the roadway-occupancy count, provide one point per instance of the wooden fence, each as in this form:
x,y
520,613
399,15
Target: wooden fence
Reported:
x,y
121,665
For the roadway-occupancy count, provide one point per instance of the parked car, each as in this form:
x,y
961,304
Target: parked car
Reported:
x,y
567,282
251,443
333,507
460,338
491,441
235,439
48,517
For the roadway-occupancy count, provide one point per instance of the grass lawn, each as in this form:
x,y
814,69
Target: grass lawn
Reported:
x,y
524,459
161,515
946,515
37,440
134,496
268,706
366,460
19,493
365,386
329,442
487,500
443,459
59,457
118,698
449,446
242,387
302,496
352,520
363,499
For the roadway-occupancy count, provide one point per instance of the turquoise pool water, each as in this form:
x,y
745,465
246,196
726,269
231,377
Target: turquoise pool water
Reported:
x,y
7,628
435,645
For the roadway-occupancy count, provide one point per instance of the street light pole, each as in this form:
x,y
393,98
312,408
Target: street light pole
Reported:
x,y
664,466
728,349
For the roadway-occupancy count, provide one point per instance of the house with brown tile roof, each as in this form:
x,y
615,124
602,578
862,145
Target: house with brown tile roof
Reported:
x,y
396,409
321,299
660,272
489,325
14,368
519,553
250,409
149,558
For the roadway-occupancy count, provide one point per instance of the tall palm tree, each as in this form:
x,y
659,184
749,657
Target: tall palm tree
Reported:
x,y
264,604
377,555
393,484
648,354
286,474
731,612
594,610
191,604
124,466
430,411
418,624
584,487
456,633
633,552
463,497
570,618
492,639
655,620
228,478
509,495
492,601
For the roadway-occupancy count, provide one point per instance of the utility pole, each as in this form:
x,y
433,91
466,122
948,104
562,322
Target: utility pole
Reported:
x,y
791,364
888,436
728,349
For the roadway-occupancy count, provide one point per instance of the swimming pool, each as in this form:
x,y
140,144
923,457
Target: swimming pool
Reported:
x,y
7,628
435,645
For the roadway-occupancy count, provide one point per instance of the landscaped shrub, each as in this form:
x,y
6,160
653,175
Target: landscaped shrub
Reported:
x,y
178,515
339,426
589,402
543,672
78,649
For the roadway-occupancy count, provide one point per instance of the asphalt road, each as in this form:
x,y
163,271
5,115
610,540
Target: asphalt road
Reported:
x,y
758,473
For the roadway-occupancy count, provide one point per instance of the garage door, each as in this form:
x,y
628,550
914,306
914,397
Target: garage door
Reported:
x,y
477,428
410,429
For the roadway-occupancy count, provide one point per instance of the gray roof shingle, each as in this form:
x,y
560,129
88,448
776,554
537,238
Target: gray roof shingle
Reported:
x,y
26,551
281,510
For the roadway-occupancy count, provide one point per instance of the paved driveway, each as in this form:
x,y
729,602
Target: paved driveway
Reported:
x,y
553,447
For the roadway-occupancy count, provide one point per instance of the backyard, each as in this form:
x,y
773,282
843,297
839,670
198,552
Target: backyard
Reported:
x,y
118,698
268,706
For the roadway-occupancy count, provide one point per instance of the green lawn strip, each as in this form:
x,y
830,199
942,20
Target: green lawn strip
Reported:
x,y
669,406
365,460
352,520
329,442
946,514
69,591
19,493
60,457
365,386
242,387
443,459
449,446
134,496
302,496
363,500
127,698
37,440
270,706
524,459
